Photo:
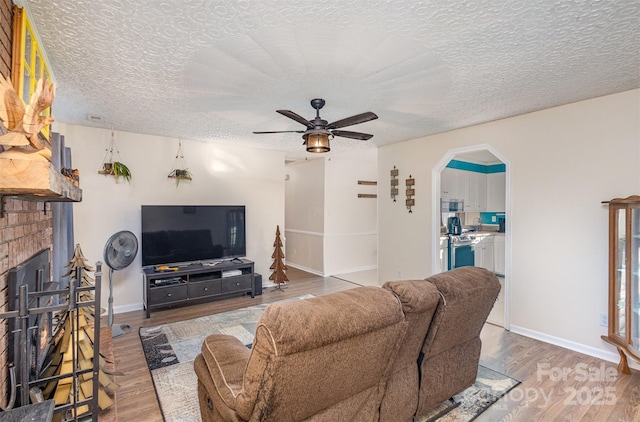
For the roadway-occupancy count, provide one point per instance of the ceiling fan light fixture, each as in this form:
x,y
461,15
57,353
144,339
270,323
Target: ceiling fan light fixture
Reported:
x,y
317,142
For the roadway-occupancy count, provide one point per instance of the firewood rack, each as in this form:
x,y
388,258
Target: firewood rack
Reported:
x,y
21,317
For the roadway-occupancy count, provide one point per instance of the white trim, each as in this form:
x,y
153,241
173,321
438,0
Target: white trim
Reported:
x,y
309,270
355,270
128,308
435,210
303,232
331,234
571,345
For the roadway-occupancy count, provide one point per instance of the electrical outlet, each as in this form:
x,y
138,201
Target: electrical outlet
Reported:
x,y
399,274
603,319
493,219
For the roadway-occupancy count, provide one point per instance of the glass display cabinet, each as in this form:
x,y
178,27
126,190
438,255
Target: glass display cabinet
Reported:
x,y
624,281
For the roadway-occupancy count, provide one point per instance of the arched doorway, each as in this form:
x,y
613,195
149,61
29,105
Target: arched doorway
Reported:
x,y
480,155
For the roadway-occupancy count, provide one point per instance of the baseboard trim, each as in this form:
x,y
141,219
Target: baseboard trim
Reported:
x,y
303,268
571,345
128,308
355,270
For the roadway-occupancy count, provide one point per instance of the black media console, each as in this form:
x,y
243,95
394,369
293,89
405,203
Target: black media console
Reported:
x,y
197,282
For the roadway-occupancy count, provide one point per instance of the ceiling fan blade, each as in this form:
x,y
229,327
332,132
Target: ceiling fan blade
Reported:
x,y
352,135
280,131
353,120
298,118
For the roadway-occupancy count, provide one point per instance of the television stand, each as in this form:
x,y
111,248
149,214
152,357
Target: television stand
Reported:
x,y
197,283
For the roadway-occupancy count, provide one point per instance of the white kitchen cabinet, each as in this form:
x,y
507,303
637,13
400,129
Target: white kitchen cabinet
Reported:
x,y
496,192
449,184
484,255
499,254
475,186
466,185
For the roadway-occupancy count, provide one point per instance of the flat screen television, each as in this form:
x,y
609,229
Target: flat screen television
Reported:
x,y
178,234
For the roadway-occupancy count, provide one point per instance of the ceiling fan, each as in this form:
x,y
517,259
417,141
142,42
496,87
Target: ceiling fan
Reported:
x,y
319,131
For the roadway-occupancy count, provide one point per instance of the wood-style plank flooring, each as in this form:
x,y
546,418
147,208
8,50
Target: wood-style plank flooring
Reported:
x,y
589,389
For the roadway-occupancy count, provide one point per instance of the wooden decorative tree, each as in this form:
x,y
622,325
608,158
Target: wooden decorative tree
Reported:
x,y
278,275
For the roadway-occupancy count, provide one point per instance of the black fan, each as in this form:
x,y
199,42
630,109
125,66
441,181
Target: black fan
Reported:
x,y
119,253
319,131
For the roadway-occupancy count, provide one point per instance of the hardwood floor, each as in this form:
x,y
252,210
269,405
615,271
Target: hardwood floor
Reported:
x,y
589,389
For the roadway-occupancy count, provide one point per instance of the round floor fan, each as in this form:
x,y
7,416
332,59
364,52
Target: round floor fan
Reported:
x,y
119,253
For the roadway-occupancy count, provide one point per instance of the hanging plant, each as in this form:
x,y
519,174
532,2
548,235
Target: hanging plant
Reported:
x,y
121,170
115,168
180,171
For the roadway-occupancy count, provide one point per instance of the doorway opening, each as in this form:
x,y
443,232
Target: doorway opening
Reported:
x,y
477,215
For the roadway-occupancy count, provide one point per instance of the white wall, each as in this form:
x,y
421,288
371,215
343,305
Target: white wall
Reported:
x,y
329,230
351,234
222,175
304,215
564,162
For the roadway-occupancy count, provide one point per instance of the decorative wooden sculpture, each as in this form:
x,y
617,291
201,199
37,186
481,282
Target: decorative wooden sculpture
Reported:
x,y
278,275
410,202
24,122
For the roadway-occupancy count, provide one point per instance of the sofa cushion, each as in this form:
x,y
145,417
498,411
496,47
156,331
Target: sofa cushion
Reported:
x,y
419,300
468,294
329,355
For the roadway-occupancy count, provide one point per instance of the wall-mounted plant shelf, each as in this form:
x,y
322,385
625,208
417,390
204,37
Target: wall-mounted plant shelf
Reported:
x,y
180,171
111,163
116,169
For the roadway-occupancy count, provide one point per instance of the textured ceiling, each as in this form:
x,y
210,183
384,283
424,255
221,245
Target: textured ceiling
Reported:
x,y
218,70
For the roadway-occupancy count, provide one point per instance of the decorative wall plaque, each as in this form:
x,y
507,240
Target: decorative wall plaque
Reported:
x,y
410,202
394,183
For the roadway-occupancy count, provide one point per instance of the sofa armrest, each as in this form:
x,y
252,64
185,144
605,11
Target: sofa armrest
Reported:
x,y
226,358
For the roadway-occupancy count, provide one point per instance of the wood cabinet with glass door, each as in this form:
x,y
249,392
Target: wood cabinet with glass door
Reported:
x,y
624,281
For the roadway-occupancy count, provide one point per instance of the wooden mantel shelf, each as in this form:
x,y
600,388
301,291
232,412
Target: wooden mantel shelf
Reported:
x,y
36,180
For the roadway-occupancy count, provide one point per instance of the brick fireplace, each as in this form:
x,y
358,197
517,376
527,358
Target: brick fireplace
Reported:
x,y
25,228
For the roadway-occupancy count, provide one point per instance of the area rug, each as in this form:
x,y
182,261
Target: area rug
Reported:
x,y
171,348
467,405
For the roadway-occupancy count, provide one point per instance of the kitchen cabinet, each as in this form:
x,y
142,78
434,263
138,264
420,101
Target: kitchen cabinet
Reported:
x,y
475,188
483,251
449,188
496,192
624,279
499,254
466,185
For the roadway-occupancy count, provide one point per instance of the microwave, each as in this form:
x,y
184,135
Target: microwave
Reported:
x,y
451,205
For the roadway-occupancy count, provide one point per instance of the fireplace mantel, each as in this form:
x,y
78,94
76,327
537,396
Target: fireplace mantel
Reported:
x,y
35,180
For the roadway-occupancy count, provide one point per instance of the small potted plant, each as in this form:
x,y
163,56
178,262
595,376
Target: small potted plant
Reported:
x,y
121,170
117,169
180,174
